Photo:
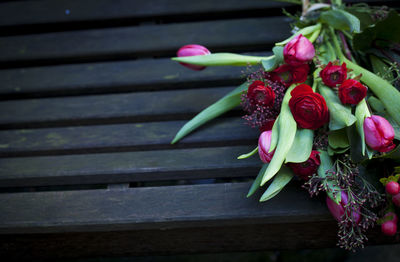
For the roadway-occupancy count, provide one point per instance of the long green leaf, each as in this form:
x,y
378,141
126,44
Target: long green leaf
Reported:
x,y
257,181
302,146
332,190
361,113
281,179
228,102
340,115
286,133
222,59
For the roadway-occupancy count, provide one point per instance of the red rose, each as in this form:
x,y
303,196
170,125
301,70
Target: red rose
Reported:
x,y
352,92
298,51
287,74
333,75
260,94
306,169
309,109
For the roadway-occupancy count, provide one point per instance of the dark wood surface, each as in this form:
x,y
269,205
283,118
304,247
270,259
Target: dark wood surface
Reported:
x,y
89,103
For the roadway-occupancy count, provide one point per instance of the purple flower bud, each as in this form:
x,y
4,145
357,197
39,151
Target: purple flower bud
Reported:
x,y
192,50
337,211
264,143
298,51
379,133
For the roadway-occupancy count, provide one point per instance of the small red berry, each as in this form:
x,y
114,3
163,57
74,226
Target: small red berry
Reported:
x,y
389,228
396,200
392,188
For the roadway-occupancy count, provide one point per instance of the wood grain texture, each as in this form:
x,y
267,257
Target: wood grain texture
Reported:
x,y
111,77
151,40
49,12
122,137
132,107
153,208
154,165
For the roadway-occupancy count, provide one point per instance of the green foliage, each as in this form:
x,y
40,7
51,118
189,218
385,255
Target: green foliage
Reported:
x,y
244,156
301,147
222,59
340,115
257,181
386,30
286,133
228,102
281,179
341,20
333,191
338,139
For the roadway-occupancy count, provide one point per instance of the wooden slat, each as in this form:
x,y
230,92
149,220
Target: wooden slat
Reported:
x,y
162,165
153,208
152,40
122,137
113,77
66,11
143,106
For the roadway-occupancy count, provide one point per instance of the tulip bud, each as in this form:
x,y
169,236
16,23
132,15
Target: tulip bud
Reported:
x,y
298,51
306,169
379,133
338,210
389,228
333,75
192,50
264,144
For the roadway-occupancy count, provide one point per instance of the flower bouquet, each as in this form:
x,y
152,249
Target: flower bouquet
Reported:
x,y
327,106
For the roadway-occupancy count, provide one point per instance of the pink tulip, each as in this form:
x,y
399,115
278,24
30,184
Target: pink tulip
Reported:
x,y
379,133
298,51
192,50
337,211
264,143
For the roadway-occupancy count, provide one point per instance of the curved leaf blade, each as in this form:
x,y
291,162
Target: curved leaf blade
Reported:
x,y
222,59
257,181
226,103
301,147
281,179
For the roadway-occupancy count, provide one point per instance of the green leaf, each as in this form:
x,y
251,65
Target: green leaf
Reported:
x,y
301,147
306,31
274,135
228,102
341,20
244,156
333,191
281,179
286,134
361,113
376,104
269,64
386,30
278,52
337,151
257,181
381,68
340,115
338,139
222,59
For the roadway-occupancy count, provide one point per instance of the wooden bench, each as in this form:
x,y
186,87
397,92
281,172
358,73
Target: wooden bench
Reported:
x,y
89,104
